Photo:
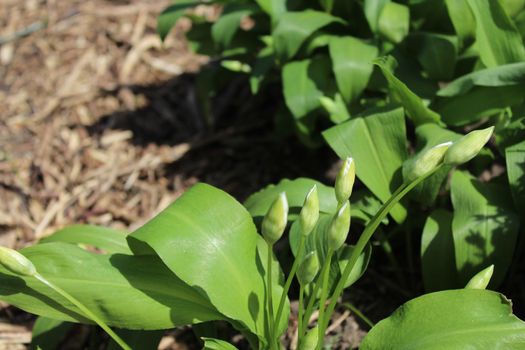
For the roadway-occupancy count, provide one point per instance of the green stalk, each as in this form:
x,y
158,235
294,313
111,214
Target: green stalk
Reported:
x,y
300,313
288,283
359,314
269,297
367,234
324,294
311,301
85,310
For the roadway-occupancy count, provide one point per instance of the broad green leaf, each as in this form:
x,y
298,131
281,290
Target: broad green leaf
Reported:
x,y
336,108
453,320
509,132
364,206
108,285
479,102
515,158
216,344
137,339
49,333
225,28
262,66
394,21
436,53
438,264
462,19
506,75
275,8
169,17
296,190
484,227
208,240
352,65
293,28
372,10
414,106
428,136
105,238
377,143
304,82
513,7
497,38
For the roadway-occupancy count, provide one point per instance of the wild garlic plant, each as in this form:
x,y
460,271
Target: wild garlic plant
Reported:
x,y
202,260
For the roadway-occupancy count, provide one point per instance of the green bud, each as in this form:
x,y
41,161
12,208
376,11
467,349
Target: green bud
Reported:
x,y
468,146
344,182
481,279
426,161
308,269
338,229
16,262
274,222
309,342
310,212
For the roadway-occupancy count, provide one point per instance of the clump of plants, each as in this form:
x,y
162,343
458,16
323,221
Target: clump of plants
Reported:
x,y
202,260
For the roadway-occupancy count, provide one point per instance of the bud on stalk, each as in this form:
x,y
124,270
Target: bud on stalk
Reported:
x,y
426,161
344,182
275,220
308,269
338,229
310,212
16,262
481,279
468,146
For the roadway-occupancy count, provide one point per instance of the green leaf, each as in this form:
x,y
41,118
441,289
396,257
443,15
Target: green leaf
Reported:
x,y
304,82
414,106
428,136
506,75
377,143
208,239
462,19
497,38
484,227
452,320
438,264
372,10
216,344
352,65
107,239
262,66
293,28
106,284
225,28
169,17
515,157
49,333
479,102
436,53
296,190
394,22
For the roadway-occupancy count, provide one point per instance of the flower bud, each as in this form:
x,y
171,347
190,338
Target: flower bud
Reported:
x,y
344,182
426,161
338,229
310,212
481,279
308,269
468,146
16,262
309,341
275,220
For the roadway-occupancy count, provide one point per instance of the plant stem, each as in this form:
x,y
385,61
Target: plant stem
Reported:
x,y
300,313
311,301
367,234
324,294
269,293
288,283
85,310
359,314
